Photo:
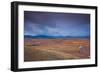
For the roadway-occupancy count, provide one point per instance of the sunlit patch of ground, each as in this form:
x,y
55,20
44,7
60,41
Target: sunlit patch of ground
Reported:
x,y
56,49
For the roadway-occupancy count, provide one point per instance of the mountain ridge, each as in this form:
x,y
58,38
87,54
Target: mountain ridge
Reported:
x,y
48,36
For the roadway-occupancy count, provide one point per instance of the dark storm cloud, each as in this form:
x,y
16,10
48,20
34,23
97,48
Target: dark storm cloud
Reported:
x,y
57,24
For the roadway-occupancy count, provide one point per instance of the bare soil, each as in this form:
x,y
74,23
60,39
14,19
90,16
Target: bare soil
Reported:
x,y
56,49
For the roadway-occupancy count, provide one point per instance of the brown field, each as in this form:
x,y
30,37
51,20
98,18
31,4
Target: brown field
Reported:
x,y
56,49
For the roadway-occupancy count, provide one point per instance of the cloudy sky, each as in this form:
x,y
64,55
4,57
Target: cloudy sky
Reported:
x,y
56,24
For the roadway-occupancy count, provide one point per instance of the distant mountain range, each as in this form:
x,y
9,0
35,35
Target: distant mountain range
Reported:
x,y
47,36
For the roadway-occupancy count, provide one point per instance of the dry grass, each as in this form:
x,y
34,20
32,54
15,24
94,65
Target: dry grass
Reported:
x,y
56,49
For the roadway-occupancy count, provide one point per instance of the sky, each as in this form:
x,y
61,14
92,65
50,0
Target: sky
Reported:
x,y
56,24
